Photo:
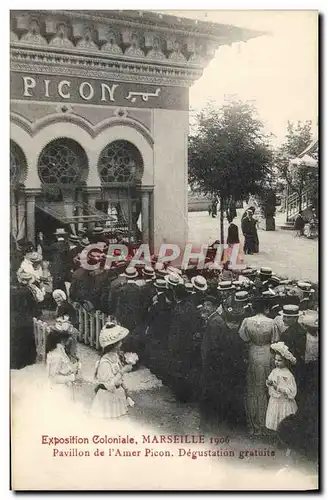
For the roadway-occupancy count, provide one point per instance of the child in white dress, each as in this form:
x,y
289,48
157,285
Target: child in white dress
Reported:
x,y
282,387
111,400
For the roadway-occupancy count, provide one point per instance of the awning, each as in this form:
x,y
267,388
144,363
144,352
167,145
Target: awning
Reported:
x,y
73,213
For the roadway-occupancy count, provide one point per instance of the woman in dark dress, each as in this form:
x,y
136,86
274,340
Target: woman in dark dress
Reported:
x,y
24,307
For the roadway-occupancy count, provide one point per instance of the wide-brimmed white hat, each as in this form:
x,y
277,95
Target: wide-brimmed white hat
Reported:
x,y
282,349
199,283
111,334
35,257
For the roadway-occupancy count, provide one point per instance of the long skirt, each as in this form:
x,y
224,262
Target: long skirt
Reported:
x,y
278,410
258,370
108,404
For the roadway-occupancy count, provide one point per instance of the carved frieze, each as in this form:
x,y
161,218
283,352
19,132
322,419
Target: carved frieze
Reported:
x,y
61,38
122,43
33,35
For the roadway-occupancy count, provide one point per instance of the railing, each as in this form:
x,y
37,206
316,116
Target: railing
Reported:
x,y
41,330
89,326
294,205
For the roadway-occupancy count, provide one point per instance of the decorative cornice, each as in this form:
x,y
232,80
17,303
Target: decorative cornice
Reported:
x,y
41,62
33,128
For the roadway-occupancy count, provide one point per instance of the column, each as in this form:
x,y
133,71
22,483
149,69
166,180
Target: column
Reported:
x,y
93,194
79,210
30,213
145,215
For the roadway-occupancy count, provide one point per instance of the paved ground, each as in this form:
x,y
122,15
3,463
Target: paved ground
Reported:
x,y
296,258
156,412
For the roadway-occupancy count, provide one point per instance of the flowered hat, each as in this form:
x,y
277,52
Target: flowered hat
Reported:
x,y
35,257
282,349
111,334
200,283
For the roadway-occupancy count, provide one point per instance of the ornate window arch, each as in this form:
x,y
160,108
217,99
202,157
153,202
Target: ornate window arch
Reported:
x,y
18,164
63,161
120,162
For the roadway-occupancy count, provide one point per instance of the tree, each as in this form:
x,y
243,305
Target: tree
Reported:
x,y
297,178
229,155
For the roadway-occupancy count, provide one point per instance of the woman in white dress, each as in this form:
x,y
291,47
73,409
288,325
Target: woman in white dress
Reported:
x,y
282,387
111,400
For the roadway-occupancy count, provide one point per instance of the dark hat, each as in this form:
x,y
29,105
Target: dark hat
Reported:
x,y
266,271
160,284
242,296
290,310
225,285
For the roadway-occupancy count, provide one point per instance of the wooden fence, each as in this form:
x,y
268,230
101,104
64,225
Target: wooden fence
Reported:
x,y
89,326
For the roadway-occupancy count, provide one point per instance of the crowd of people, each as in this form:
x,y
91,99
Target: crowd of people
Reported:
x,y
242,344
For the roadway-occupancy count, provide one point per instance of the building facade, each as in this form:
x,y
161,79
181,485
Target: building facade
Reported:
x,y
99,119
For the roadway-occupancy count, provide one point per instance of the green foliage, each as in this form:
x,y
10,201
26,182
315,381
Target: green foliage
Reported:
x,y
298,137
229,155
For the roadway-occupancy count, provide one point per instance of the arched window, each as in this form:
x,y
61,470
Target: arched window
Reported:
x,y
63,161
120,162
18,165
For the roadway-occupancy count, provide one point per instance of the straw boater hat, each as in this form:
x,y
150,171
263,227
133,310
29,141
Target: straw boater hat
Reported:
x,y
173,279
60,231
97,230
160,284
189,287
265,272
82,231
274,280
305,287
174,270
224,286
73,238
199,283
242,296
290,311
111,334
131,272
237,284
148,272
85,242
282,349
